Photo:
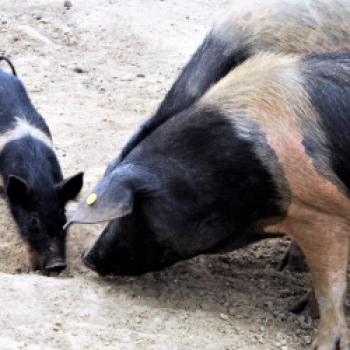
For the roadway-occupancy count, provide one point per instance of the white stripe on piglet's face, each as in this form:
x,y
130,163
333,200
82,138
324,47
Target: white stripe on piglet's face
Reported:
x,y
22,128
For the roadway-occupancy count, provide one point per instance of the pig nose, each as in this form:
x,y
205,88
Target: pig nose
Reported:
x,y
87,261
56,266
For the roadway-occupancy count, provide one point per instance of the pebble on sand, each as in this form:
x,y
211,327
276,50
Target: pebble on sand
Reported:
x,y
68,4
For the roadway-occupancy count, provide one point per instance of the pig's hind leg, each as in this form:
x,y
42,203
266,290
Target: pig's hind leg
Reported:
x,y
326,248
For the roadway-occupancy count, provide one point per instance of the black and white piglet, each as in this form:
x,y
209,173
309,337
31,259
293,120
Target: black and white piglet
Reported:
x,y
31,176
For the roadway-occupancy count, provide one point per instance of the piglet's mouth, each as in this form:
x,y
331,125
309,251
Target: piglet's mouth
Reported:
x,y
55,266
51,267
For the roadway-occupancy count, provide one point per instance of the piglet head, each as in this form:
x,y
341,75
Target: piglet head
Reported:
x,y
39,212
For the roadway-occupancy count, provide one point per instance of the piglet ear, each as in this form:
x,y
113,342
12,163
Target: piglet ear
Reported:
x,y
69,188
17,190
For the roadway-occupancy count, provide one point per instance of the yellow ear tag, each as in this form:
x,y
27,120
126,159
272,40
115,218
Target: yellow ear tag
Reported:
x,y
91,199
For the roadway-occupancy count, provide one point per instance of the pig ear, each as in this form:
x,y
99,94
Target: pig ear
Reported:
x,y
69,188
17,190
111,198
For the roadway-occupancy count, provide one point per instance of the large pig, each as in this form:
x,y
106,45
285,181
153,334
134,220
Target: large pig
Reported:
x,y
280,26
32,177
252,26
265,151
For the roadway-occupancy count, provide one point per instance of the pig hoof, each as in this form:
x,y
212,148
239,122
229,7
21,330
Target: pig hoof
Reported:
x,y
322,342
307,305
292,261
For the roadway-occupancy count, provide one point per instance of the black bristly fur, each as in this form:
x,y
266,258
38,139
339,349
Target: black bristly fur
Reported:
x,y
214,191
15,102
327,81
8,61
209,64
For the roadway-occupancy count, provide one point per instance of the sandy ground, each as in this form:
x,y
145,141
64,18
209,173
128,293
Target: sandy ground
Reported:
x,y
95,71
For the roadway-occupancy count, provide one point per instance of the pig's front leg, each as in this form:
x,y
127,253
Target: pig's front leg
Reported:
x,y
293,259
307,304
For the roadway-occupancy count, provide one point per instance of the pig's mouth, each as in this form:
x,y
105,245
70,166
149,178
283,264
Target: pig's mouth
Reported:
x,y
51,266
89,264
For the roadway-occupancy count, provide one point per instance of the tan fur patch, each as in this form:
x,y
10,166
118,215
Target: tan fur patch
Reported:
x,y
268,89
287,26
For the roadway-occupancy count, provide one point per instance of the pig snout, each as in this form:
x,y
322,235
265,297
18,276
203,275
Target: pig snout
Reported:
x,y
55,258
35,260
48,263
88,259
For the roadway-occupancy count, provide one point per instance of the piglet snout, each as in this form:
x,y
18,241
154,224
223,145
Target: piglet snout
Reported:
x,y
56,266
53,265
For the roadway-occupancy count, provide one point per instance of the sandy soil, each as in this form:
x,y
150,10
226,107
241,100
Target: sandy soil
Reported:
x,y
95,71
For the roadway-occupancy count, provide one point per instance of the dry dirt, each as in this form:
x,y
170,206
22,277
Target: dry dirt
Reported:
x,y
95,71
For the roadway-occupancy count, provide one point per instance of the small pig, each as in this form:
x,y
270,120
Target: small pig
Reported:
x,y
265,151
34,187
280,26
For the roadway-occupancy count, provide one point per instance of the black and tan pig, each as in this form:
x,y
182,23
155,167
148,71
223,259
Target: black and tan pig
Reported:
x,y
278,26
264,151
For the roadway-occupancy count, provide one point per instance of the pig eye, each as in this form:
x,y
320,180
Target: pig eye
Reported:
x,y
34,223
